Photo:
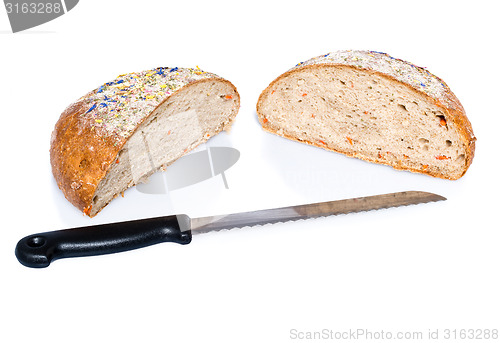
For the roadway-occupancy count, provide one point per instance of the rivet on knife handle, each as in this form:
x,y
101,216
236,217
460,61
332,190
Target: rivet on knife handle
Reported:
x,y
39,250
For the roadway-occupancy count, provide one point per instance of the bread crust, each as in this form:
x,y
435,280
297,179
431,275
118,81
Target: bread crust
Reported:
x,y
81,154
448,102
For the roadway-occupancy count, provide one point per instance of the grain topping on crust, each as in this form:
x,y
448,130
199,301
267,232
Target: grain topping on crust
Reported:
x,y
117,107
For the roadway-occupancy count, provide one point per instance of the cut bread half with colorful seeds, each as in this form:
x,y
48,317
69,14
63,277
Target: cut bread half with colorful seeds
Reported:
x,y
372,106
125,130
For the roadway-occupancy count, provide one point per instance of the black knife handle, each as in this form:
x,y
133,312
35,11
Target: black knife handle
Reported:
x,y
37,251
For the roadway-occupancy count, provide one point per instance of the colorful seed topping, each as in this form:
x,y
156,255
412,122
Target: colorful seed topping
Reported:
x,y
115,108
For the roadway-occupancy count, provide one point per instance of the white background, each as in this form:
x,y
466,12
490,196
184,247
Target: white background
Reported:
x,y
432,266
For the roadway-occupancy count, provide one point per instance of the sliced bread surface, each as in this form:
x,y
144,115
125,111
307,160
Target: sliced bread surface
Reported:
x,y
372,106
122,132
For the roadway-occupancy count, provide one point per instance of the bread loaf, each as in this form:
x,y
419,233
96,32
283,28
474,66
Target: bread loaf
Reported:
x,y
372,106
120,133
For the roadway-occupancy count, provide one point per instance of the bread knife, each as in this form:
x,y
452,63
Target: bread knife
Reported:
x,y
39,250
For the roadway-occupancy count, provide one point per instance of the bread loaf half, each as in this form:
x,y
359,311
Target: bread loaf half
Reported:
x,y
372,106
122,132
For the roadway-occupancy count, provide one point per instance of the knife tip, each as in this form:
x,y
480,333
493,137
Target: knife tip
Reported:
x,y
432,196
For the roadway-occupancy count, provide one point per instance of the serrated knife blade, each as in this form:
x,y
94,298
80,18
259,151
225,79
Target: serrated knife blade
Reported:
x,y
328,208
41,249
